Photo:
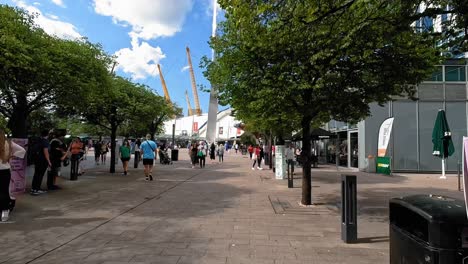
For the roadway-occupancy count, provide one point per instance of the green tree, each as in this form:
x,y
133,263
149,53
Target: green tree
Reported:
x,y
309,60
39,70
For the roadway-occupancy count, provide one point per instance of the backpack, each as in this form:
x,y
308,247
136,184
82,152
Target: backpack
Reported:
x,y
36,150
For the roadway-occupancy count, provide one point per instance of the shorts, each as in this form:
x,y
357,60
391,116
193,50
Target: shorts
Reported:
x,y
148,161
124,159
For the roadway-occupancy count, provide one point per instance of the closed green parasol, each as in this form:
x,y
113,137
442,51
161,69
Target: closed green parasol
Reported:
x,y
442,140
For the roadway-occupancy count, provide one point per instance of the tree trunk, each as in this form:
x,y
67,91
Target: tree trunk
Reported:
x,y
306,161
18,121
113,137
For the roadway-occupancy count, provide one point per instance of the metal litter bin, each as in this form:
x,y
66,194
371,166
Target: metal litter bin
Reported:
x,y
175,155
428,229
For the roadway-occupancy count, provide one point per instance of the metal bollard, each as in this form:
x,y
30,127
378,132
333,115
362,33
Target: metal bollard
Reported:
x,y
290,176
348,208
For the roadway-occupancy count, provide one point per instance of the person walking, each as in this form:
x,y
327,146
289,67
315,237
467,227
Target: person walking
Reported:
x,y
57,153
193,154
76,148
125,155
148,150
104,150
97,151
290,157
137,153
212,151
221,152
8,149
258,156
201,154
41,163
250,149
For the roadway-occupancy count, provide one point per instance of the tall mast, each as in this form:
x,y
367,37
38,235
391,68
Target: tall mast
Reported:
x,y
190,110
163,83
194,85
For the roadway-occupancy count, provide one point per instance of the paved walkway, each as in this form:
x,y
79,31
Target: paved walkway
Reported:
x,y
224,213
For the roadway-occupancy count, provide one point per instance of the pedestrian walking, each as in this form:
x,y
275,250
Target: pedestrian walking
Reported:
x,y
257,157
201,154
41,162
194,154
137,153
97,151
148,151
76,148
236,147
104,150
117,151
250,149
212,151
290,157
8,149
221,152
125,155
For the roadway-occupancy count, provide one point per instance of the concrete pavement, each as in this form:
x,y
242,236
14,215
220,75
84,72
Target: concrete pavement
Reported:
x,y
224,213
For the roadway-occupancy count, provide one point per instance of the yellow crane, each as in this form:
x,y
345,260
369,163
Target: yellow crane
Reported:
x,y
189,107
163,83
194,85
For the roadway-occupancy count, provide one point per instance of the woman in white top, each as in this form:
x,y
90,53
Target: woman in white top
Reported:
x,y
8,149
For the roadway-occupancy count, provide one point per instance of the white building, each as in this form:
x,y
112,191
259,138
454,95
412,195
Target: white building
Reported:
x,y
191,127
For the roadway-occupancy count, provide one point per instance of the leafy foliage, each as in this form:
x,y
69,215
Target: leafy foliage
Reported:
x,y
289,63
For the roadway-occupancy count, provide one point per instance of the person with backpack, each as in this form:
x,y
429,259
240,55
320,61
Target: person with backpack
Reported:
x,y
41,162
125,155
201,154
148,151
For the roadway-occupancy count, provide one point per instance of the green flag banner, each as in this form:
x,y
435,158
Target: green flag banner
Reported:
x,y
383,165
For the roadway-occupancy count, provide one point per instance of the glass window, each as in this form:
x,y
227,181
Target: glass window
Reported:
x,y
456,118
455,73
436,75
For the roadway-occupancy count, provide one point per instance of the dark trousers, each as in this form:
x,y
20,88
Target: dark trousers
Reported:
x,y
202,160
5,177
137,159
221,157
250,153
39,170
258,161
74,164
51,175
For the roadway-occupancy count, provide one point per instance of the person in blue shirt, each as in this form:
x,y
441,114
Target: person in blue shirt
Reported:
x,y
148,150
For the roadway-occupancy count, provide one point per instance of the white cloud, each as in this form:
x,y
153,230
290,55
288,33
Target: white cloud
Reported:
x,y
185,68
140,60
59,3
149,19
50,23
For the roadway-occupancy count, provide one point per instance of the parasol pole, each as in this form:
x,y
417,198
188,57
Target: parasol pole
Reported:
x,y
443,169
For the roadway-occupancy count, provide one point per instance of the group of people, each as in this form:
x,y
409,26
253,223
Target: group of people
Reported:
x,y
199,150
257,154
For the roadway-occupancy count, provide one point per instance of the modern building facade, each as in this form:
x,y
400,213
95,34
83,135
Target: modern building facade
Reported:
x,y
410,145
195,127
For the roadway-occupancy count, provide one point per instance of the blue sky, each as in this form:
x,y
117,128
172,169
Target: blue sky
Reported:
x,y
141,33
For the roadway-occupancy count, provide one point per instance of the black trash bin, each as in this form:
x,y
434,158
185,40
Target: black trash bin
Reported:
x,y
175,155
429,229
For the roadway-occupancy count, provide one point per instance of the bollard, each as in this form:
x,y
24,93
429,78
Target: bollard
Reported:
x,y
290,176
348,208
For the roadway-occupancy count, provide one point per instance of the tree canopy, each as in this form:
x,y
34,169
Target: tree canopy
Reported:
x,y
299,61
38,69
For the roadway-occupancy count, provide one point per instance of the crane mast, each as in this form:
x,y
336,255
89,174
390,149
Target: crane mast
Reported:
x,y
194,85
163,83
189,107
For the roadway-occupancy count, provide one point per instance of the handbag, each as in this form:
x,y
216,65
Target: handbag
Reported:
x,y
200,153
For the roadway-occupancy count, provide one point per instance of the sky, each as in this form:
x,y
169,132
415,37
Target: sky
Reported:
x,y
141,34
